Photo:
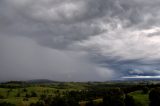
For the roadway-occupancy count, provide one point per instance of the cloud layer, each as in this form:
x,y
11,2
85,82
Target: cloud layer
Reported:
x,y
79,40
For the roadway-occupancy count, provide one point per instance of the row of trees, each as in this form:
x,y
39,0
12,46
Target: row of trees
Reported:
x,y
116,96
154,97
111,97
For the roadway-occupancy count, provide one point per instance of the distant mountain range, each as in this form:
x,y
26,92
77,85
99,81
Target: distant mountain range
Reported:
x,y
47,81
34,81
41,81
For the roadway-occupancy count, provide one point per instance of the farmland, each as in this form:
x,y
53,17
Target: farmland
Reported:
x,y
82,93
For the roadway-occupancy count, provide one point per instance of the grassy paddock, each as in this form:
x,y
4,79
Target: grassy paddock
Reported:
x,y
140,98
17,95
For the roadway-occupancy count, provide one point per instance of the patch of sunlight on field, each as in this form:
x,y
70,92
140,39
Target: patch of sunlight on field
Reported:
x,y
19,101
140,98
96,101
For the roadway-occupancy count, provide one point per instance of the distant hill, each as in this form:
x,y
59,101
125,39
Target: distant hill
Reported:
x,y
14,82
34,81
41,81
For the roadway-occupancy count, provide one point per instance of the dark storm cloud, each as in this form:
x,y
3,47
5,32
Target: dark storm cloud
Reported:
x,y
78,39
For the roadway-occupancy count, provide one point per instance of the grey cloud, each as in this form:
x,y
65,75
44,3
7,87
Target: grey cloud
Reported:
x,y
116,37
48,22
22,58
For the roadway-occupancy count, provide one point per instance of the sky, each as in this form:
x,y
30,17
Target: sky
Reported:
x,y
79,40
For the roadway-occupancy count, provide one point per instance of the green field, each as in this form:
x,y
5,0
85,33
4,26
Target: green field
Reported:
x,y
19,94
10,95
140,98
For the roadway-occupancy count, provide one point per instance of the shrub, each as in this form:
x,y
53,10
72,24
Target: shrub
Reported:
x,y
154,97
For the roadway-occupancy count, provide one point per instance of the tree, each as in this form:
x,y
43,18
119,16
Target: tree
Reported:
x,y
33,94
64,101
114,97
6,104
37,104
18,94
145,90
59,101
24,90
129,101
90,103
27,95
154,97
2,97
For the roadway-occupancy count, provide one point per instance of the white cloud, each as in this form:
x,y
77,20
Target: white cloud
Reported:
x,y
125,43
141,77
136,72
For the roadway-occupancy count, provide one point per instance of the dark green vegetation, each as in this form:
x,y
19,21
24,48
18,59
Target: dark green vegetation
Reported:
x,y
50,93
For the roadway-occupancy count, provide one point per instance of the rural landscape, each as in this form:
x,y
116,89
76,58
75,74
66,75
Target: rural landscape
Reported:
x,y
50,93
79,52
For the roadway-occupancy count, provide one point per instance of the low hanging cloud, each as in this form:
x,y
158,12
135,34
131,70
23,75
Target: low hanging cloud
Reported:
x,y
22,58
79,40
